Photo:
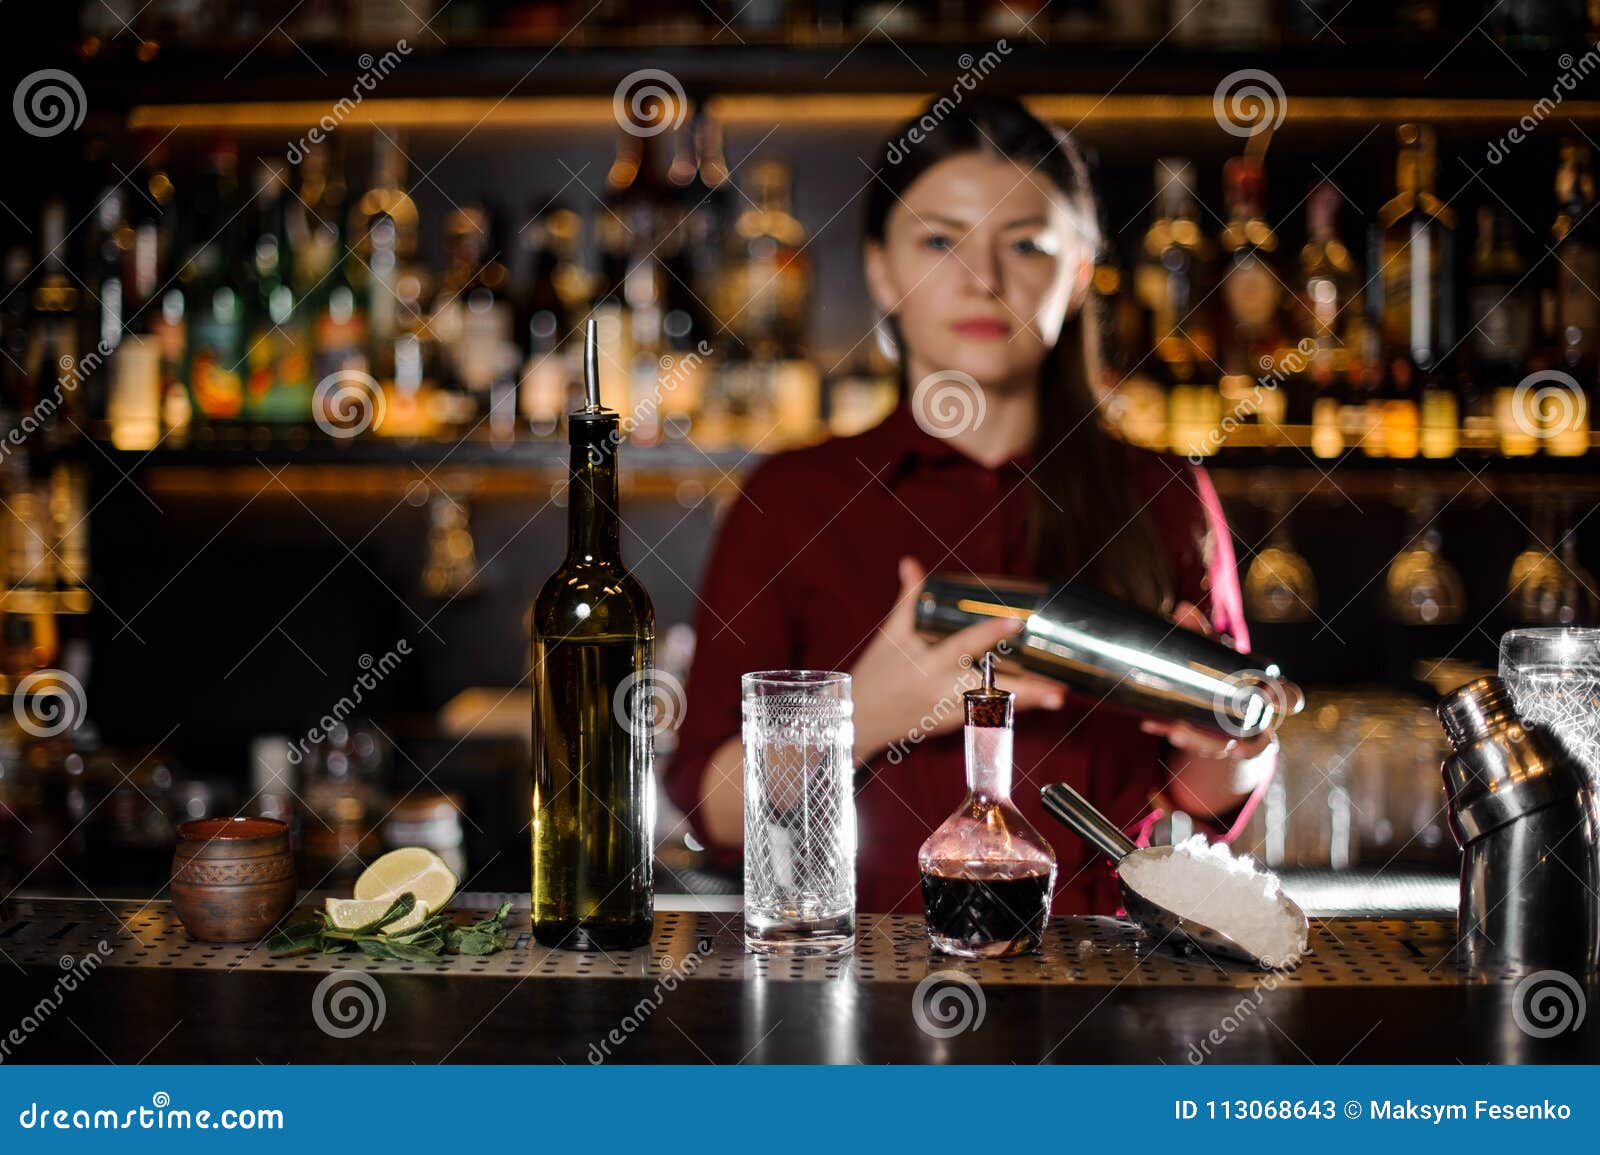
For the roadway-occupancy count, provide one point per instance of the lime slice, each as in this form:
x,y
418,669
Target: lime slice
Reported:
x,y
355,913
411,868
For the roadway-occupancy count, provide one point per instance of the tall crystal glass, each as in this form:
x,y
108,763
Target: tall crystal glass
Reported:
x,y
799,813
1554,678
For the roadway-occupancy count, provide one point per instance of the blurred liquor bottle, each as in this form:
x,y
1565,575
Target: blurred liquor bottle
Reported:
x,y
555,296
471,318
277,357
158,309
1564,424
767,308
52,359
212,307
105,275
696,253
1329,305
383,236
1138,404
147,361
1414,239
642,214
1253,299
324,272
1169,284
15,309
1501,306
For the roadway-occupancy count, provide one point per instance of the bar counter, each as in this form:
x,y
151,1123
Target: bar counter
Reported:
x,y
1370,991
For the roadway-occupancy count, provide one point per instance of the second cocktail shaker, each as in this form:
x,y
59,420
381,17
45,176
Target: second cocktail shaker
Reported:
x,y
1522,809
1117,652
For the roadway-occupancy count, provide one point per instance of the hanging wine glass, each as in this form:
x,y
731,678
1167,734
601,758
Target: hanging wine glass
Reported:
x,y
1535,570
1423,588
1279,586
1549,586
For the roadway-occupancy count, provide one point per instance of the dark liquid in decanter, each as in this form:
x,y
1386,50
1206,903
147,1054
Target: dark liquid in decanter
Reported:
x,y
986,873
992,909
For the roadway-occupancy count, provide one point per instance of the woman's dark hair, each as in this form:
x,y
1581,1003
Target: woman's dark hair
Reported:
x,y
1086,520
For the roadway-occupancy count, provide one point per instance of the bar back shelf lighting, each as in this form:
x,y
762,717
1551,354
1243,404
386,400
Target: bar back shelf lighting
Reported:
x,y
810,108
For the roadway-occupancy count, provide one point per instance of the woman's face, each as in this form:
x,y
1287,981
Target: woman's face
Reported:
x,y
981,262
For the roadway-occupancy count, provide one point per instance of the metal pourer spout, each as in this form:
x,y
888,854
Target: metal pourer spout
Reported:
x,y
591,367
988,671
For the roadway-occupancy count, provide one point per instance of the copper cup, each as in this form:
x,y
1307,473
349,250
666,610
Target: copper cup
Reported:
x,y
232,878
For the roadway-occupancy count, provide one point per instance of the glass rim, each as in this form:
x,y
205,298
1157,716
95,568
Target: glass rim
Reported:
x,y
1576,644
794,679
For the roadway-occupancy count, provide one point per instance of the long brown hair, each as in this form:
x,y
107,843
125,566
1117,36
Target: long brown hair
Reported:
x,y
1086,517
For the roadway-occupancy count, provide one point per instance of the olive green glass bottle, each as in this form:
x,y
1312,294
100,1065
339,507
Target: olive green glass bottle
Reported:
x,y
593,744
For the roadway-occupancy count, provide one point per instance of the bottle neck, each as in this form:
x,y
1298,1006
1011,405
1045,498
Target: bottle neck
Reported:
x,y
989,762
594,528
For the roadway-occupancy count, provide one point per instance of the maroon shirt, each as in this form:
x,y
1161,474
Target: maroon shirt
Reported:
x,y
804,570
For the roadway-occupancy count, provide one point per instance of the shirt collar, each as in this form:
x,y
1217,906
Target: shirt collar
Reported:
x,y
906,445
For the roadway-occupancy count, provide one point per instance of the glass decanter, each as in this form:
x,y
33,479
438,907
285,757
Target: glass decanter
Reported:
x,y
987,875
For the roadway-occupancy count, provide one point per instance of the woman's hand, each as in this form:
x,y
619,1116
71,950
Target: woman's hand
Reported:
x,y
1212,772
904,685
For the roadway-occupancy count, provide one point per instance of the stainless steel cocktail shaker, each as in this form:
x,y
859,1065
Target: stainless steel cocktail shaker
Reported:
x,y
1116,652
1522,809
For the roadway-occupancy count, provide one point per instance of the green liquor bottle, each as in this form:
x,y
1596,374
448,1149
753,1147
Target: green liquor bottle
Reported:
x,y
593,739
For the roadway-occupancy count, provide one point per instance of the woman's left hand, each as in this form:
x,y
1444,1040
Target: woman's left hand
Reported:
x,y
1199,740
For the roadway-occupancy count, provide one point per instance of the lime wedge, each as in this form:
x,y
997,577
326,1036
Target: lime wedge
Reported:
x,y
355,913
411,868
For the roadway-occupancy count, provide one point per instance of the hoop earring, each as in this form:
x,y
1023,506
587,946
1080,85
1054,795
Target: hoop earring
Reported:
x,y
883,336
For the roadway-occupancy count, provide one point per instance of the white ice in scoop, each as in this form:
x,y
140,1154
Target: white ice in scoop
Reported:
x,y
1205,883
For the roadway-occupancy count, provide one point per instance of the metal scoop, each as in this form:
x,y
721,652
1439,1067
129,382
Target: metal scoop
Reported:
x,y
1067,805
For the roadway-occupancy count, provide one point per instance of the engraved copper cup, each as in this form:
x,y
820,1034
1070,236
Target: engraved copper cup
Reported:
x,y
232,878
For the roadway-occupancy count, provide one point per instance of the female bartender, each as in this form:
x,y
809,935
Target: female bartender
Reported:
x,y
978,251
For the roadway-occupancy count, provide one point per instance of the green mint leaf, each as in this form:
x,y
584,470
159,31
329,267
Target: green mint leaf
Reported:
x,y
296,938
411,953
398,909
